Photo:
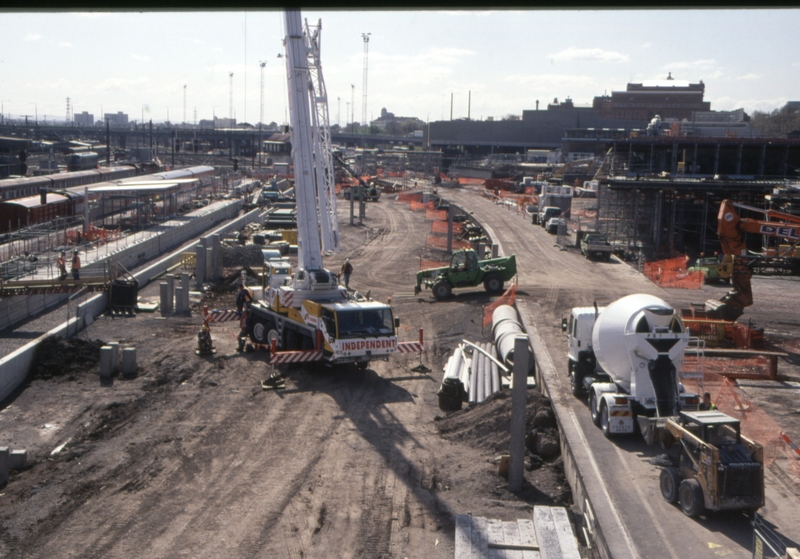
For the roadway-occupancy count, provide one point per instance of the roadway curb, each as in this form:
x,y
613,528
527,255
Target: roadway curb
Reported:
x,y
609,537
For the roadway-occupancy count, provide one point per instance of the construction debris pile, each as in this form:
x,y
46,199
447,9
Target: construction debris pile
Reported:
x,y
66,357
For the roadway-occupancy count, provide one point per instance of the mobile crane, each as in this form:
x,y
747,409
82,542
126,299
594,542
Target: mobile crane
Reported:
x,y
308,316
736,265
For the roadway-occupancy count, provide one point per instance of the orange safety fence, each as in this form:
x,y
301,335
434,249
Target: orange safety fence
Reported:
x,y
436,215
712,331
468,181
435,241
441,227
672,272
507,298
744,337
410,197
428,264
419,206
755,423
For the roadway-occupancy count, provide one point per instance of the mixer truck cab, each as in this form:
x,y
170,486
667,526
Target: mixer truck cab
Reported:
x,y
626,358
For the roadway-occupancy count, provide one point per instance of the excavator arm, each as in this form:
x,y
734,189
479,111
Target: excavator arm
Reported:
x,y
731,230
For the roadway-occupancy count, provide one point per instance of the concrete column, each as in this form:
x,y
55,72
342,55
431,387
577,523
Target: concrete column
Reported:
x,y
210,263
200,266
495,250
217,244
4,465
18,459
170,292
129,361
179,309
114,356
106,363
519,399
481,251
185,286
166,303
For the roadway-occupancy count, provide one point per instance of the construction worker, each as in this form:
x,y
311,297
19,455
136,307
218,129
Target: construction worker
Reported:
x,y
243,297
244,332
204,344
61,262
706,404
76,265
347,269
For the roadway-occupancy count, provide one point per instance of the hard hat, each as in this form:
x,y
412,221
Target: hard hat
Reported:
x,y
347,260
63,252
76,251
204,327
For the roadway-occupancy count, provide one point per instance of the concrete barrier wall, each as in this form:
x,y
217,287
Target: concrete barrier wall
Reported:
x,y
14,368
15,309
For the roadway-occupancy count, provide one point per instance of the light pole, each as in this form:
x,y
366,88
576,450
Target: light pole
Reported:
x,y
261,63
2,110
168,122
353,108
214,112
339,112
365,37
36,112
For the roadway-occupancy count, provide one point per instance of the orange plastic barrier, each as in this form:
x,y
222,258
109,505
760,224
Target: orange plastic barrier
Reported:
x,y
467,181
436,215
428,264
672,273
507,298
410,197
435,241
745,337
441,227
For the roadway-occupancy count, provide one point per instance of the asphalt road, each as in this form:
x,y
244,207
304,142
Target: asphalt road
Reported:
x,y
552,281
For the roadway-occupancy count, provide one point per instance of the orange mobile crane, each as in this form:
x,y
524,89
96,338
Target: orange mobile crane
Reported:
x,y
736,264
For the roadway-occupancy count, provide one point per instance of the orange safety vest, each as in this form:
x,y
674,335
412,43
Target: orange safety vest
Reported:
x,y
76,262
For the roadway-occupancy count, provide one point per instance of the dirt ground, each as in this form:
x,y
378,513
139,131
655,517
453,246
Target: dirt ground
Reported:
x,y
191,458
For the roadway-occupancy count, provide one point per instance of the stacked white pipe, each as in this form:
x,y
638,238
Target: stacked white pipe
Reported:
x,y
477,368
505,328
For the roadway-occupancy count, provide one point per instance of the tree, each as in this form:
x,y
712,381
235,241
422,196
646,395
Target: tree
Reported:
x,y
394,128
511,117
375,129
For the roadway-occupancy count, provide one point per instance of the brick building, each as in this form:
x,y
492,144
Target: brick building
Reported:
x,y
668,98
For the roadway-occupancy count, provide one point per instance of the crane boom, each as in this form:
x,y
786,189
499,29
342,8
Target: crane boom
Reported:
x,y
309,248
323,159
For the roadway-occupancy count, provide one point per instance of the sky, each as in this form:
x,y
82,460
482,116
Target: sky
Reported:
x,y
492,63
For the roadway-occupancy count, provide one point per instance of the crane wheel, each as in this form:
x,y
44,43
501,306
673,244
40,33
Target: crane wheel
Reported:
x,y
691,497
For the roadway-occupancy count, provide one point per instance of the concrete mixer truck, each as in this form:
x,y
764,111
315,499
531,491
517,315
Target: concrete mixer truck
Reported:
x,y
626,356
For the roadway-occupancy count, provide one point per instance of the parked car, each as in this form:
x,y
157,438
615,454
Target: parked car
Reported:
x,y
548,212
554,223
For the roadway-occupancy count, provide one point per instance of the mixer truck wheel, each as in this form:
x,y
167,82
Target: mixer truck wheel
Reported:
x,y
691,496
669,480
604,420
593,408
575,380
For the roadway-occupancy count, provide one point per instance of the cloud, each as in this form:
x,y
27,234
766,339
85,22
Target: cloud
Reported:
x,y
714,75
32,37
65,44
749,105
646,45
139,57
594,54
704,64
750,76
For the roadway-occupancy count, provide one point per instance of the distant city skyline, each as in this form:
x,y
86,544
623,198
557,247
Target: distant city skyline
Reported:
x,y
492,63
